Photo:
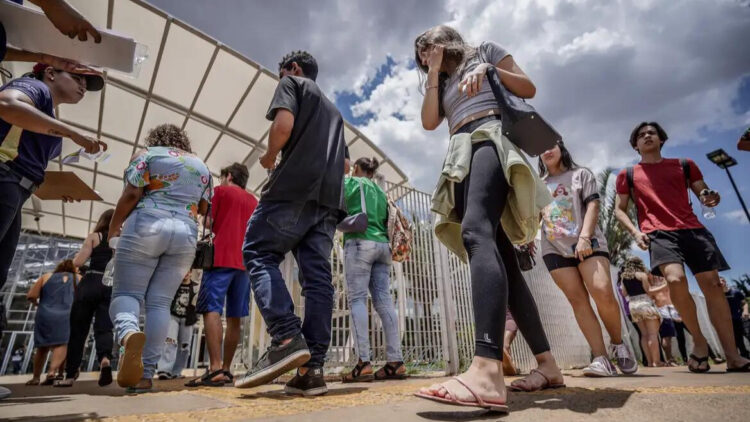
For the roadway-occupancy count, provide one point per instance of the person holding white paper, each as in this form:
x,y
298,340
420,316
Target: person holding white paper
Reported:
x,y
30,137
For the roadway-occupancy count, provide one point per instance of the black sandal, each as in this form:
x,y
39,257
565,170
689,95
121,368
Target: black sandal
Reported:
x,y
230,378
105,376
743,368
356,374
697,368
206,380
390,372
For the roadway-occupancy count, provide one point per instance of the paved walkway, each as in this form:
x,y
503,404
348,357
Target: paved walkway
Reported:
x,y
658,394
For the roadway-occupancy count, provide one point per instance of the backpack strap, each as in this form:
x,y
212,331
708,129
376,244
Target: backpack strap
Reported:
x,y
631,185
686,171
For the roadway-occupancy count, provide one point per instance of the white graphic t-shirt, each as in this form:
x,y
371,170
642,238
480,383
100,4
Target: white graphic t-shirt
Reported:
x,y
562,220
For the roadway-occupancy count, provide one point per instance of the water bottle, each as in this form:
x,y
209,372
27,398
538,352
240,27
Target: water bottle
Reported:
x,y
109,271
708,212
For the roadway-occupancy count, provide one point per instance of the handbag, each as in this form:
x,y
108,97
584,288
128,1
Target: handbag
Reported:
x,y
526,260
521,123
204,249
356,223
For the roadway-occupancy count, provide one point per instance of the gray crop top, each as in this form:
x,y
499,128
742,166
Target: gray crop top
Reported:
x,y
456,104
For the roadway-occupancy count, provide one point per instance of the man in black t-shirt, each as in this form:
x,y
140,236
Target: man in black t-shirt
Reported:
x,y
298,212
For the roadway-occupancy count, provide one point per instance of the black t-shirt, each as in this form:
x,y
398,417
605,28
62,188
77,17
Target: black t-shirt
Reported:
x,y
736,301
312,161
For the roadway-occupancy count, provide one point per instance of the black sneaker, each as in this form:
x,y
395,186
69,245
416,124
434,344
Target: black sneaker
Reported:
x,y
310,384
275,362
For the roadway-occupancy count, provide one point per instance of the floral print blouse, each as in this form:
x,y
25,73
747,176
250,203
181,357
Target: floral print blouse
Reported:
x,y
173,180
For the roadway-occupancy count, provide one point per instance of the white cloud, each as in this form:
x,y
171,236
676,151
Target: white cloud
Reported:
x,y
600,67
736,216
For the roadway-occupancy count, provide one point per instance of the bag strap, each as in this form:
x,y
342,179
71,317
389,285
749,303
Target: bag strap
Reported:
x,y
686,172
362,201
631,187
210,188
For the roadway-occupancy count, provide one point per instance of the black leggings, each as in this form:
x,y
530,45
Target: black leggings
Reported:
x,y
91,302
496,279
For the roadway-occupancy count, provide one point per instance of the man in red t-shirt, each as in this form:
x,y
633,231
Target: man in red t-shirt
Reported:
x,y
671,232
231,208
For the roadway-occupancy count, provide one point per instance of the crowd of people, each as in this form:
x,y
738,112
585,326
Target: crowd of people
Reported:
x,y
488,199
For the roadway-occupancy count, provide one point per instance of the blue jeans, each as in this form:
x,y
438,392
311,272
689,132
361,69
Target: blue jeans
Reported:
x,y
368,265
155,251
176,350
306,229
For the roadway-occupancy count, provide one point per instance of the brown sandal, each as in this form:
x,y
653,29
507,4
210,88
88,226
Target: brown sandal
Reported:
x,y
390,372
356,374
522,385
484,404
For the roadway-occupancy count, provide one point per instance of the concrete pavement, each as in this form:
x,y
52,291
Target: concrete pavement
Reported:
x,y
655,394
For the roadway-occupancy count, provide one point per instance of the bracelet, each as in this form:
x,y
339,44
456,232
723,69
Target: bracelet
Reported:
x,y
431,86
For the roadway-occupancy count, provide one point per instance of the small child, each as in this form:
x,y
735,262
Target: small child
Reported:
x,y
174,358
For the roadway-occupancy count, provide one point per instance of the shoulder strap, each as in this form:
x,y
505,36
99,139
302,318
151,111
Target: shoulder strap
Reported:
x,y
210,188
631,185
363,203
686,171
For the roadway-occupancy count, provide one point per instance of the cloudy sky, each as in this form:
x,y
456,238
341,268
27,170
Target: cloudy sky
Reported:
x,y
599,67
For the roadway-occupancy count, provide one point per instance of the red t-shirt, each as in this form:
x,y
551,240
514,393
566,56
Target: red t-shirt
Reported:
x,y
231,208
661,196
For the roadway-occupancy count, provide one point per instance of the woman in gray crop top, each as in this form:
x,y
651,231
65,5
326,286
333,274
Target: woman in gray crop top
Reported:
x,y
455,90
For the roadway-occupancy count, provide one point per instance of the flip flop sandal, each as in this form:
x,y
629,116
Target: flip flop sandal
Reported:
x,y
206,380
390,372
105,376
230,378
32,382
509,369
697,368
50,380
743,368
493,406
131,362
356,374
135,390
514,386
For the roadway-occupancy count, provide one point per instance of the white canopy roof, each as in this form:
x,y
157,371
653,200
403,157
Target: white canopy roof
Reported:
x,y
190,79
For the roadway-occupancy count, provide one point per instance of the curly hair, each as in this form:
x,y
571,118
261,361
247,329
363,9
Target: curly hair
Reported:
x,y
168,135
304,60
632,265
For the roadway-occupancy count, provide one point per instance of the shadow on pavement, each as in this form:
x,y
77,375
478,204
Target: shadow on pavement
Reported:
x,y
90,387
579,400
281,395
12,401
74,417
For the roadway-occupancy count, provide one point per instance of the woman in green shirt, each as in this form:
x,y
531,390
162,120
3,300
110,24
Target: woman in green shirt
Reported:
x,y
367,260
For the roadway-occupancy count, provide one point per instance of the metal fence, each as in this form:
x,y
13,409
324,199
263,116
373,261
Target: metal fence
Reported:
x,y
431,290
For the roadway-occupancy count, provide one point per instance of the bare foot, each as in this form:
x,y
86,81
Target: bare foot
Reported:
x,y
737,363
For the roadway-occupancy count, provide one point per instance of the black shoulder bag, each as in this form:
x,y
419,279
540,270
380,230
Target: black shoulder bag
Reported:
x,y
521,123
204,249
356,223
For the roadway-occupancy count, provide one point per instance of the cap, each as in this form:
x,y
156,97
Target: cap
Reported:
x,y
94,78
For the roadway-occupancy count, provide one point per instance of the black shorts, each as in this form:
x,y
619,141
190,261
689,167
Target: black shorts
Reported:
x,y
554,261
695,248
667,329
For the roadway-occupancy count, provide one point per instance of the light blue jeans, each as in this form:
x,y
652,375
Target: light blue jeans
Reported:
x,y
176,350
155,251
368,265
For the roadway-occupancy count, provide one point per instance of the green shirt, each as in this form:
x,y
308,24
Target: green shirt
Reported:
x,y
377,208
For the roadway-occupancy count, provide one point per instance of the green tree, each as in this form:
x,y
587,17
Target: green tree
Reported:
x,y
619,241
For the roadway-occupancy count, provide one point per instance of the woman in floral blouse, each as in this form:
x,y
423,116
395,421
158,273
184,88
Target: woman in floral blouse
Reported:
x,y
166,187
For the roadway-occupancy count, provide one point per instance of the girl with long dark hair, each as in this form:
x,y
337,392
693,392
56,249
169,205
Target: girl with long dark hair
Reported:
x,y
576,255
471,200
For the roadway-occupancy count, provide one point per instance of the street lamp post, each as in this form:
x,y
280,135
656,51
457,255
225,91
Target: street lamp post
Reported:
x,y
724,161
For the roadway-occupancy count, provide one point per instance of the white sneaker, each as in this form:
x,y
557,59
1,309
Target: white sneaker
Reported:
x,y
600,367
625,358
4,392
